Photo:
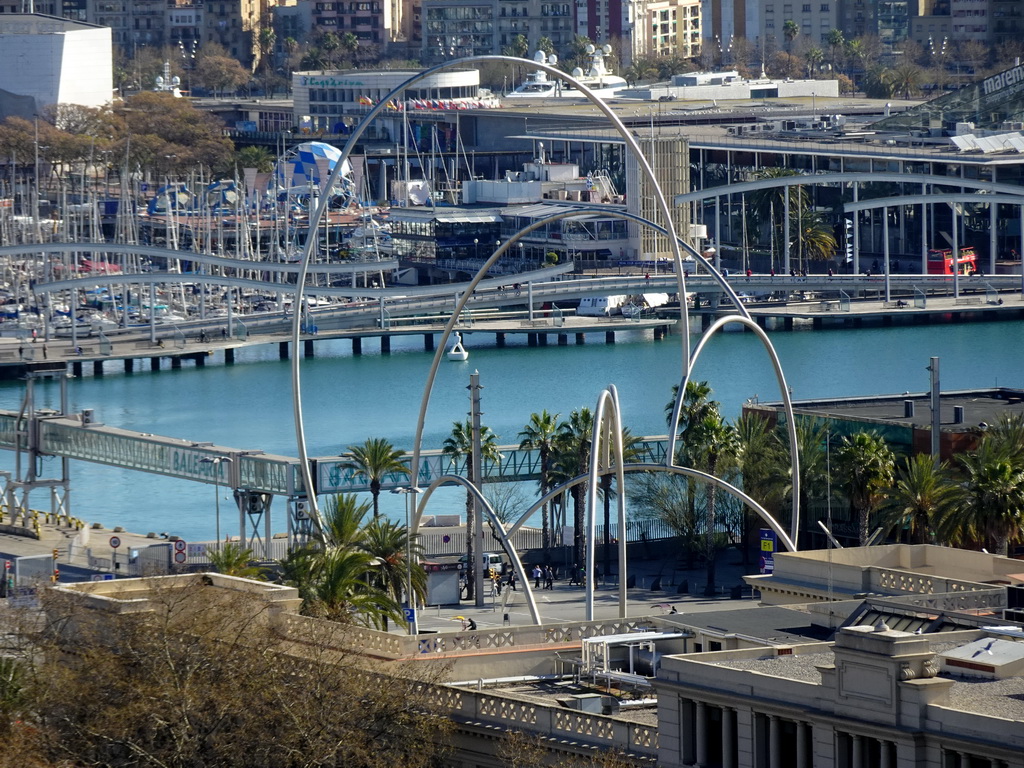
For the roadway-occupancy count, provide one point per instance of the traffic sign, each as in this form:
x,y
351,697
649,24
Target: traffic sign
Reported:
x,y
115,541
180,557
180,545
410,614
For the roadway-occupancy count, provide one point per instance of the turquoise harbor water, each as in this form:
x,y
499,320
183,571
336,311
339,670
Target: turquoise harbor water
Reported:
x,y
348,399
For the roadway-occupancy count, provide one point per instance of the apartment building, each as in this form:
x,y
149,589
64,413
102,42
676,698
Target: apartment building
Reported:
x,y
665,28
814,20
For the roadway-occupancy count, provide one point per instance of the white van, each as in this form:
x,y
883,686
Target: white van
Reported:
x,y
601,306
494,560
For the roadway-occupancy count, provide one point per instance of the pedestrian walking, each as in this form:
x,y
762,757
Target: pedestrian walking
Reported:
x,y
512,579
44,351
537,574
21,350
549,577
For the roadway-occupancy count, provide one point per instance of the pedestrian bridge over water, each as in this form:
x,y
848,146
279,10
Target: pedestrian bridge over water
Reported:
x,y
256,476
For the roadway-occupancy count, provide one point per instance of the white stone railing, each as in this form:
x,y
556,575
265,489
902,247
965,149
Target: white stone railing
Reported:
x,y
893,580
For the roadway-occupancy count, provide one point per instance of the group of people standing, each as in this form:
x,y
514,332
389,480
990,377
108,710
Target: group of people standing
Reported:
x,y
543,573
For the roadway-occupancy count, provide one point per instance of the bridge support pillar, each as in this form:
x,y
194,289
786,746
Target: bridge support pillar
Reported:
x,y
886,320
542,339
816,323
154,363
229,356
609,337
307,348
531,339
787,323
858,322
706,319
76,370
581,338
200,360
385,345
282,350
175,362
129,365
762,321
563,339
428,342
97,367
499,339
357,346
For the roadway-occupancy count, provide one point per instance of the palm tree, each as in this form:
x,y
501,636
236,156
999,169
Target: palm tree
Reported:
x,y
343,590
866,464
836,43
905,79
575,440
259,158
373,460
696,406
1007,437
343,521
459,444
790,30
812,447
234,560
813,56
989,503
817,242
630,454
922,495
386,541
759,460
539,435
715,446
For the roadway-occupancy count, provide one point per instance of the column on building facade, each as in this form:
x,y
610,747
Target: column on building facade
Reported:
x,y
801,745
774,743
728,737
858,752
883,752
702,733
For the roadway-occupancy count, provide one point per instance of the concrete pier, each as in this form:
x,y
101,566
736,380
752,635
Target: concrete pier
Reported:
x,y
428,342
609,337
385,345
129,365
357,346
229,356
499,340
307,348
154,363
282,350
175,363
97,367
581,338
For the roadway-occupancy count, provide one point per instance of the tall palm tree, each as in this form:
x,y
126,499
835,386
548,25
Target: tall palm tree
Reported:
x,y
630,454
865,464
539,435
989,505
386,541
812,447
921,496
760,461
374,459
817,242
715,446
836,43
697,404
790,30
1007,437
459,444
575,441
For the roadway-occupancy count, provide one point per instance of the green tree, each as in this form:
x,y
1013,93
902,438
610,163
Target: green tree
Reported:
x,y
922,495
519,47
234,559
790,30
344,519
540,435
865,467
575,441
714,447
458,445
905,79
375,459
386,542
343,590
259,158
989,508
813,56
836,47
762,463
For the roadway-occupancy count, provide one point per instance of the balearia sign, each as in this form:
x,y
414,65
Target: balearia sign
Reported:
x,y
1002,80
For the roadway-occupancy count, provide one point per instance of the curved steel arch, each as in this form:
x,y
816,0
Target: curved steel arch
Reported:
x,y
670,454
952,197
607,435
503,537
469,288
346,151
842,178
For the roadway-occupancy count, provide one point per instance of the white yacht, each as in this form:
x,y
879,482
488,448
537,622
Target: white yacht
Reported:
x,y
598,79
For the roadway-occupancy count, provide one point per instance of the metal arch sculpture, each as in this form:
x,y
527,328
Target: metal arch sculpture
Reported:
x,y
606,444
318,213
503,535
786,398
469,288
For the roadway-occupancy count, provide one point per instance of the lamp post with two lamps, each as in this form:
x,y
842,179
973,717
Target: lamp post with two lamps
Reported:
x,y
410,602
216,461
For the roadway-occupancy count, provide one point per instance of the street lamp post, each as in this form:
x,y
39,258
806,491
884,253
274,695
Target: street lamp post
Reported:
x,y
409,601
216,461
476,249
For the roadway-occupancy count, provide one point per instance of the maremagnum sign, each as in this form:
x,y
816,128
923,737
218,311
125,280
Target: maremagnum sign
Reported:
x,y
1012,76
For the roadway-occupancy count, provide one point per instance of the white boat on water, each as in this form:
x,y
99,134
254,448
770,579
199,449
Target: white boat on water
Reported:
x,y
458,353
598,79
